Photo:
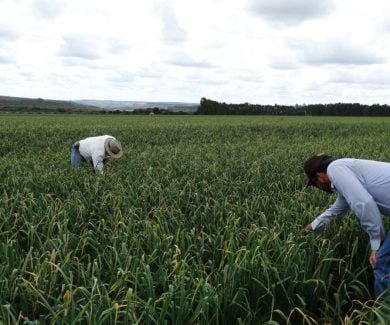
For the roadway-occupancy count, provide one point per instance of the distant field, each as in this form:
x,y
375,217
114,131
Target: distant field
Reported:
x,y
198,223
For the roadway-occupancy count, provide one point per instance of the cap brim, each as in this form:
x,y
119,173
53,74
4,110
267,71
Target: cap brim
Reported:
x,y
116,155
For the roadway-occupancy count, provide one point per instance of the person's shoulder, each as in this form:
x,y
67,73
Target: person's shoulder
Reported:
x,y
107,136
99,137
94,140
343,161
103,136
340,162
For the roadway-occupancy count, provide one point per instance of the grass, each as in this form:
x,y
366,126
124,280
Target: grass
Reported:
x,y
199,222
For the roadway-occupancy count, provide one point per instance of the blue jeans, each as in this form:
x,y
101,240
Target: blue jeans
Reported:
x,y
382,268
76,159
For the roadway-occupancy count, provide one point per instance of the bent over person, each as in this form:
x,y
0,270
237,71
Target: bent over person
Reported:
x,y
364,187
97,150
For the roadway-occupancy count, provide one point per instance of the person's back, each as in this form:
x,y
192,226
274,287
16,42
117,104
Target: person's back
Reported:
x,y
94,147
373,175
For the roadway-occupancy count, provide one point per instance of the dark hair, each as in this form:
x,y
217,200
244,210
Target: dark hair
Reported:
x,y
324,166
317,163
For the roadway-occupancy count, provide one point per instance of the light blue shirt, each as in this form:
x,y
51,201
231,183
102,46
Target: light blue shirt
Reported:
x,y
364,187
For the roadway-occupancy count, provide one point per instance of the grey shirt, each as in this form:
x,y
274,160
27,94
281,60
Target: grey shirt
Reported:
x,y
364,187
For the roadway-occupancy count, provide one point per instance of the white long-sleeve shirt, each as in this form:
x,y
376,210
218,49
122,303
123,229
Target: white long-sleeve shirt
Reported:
x,y
92,149
364,187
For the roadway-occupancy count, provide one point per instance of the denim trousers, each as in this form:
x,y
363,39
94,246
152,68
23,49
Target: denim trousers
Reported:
x,y
75,157
382,267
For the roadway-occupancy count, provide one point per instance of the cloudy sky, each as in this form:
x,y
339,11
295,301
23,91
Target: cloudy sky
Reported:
x,y
256,51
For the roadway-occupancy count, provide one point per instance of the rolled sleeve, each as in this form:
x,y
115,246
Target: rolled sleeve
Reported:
x,y
98,163
337,209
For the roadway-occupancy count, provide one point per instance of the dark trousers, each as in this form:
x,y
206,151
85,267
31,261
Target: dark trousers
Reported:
x,y
76,159
382,267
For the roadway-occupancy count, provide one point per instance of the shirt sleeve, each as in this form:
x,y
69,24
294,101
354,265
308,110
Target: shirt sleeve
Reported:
x,y
360,201
338,208
98,163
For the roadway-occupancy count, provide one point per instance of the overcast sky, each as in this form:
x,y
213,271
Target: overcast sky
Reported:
x,y
256,51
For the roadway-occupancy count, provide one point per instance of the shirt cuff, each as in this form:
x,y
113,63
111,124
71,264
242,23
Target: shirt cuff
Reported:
x,y
375,244
317,225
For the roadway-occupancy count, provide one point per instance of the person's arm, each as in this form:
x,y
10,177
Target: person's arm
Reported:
x,y
338,208
98,165
360,201
372,258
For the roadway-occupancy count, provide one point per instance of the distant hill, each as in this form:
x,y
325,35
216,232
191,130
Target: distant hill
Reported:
x,y
132,105
22,104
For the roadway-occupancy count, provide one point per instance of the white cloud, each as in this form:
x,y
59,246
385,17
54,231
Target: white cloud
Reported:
x,y
6,59
9,32
86,47
337,52
287,52
172,32
121,77
283,58
290,11
185,60
373,78
47,9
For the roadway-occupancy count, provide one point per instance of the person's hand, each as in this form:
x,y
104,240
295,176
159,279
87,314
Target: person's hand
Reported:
x,y
373,259
308,229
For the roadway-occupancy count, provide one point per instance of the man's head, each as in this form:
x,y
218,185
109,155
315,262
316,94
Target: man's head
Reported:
x,y
113,148
315,169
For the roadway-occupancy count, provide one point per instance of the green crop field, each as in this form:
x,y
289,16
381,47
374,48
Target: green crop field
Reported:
x,y
198,223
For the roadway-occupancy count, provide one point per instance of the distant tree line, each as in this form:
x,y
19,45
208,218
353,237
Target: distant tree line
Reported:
x,y
212,107
157,110
144,111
